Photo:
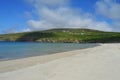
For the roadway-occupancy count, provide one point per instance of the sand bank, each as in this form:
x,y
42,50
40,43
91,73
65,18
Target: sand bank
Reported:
x,y
98,63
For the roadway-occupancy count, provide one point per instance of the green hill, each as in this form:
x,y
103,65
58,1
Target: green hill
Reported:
x,y
64,35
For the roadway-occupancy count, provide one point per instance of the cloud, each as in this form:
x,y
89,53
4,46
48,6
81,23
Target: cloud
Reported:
x,y
48,3
58,14
111,10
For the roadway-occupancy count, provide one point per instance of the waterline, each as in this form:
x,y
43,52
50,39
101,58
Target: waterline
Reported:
x,y
16,50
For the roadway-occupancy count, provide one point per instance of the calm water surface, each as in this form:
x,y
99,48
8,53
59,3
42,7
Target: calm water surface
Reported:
x,y
15,50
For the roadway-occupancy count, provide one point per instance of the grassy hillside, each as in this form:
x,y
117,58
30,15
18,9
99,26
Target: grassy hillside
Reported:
x,y
64,35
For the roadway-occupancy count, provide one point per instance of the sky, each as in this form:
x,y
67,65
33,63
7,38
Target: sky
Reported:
x,y
30,15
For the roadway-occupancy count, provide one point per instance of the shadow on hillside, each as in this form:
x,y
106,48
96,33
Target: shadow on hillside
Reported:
x,y
107,39
34,36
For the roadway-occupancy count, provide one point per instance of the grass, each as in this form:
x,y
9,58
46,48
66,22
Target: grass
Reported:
x,y
64,35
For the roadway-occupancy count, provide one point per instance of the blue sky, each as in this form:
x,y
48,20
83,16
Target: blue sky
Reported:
x,y
30,15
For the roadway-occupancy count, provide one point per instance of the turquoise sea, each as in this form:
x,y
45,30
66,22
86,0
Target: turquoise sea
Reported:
x,y
16,50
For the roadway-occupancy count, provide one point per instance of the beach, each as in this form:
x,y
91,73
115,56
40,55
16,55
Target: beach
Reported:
x,y
96,63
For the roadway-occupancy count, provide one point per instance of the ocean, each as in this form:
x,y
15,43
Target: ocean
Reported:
x,y
17,50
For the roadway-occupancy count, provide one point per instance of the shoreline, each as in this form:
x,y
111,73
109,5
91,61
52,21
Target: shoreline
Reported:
x,y
53,52
96,63
15,64
17,50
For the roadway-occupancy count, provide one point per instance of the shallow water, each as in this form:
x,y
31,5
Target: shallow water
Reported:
x,y
15,50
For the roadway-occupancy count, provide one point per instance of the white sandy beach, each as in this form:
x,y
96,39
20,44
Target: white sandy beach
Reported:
x,y
97,63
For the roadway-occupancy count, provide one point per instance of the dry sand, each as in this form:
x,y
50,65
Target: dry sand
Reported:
x,y
98,63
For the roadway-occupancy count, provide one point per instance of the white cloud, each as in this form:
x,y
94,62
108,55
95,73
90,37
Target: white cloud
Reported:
x,y
109,8
57,14
48,3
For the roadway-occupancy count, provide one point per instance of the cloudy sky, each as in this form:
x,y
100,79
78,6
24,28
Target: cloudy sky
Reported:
x,y
30,15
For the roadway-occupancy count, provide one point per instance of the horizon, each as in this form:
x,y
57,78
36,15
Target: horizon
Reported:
x,y
32,15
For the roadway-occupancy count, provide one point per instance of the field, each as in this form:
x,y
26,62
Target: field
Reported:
x,y
64,35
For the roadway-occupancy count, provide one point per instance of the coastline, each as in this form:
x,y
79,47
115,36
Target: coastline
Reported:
x,y
97,63
15,64
18,50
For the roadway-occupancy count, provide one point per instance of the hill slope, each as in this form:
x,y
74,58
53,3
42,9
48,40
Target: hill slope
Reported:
x,y
64,35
